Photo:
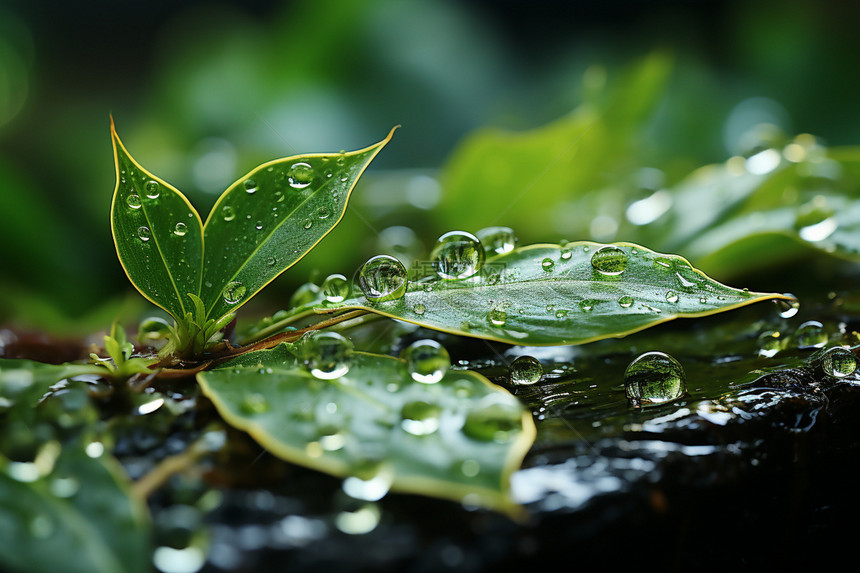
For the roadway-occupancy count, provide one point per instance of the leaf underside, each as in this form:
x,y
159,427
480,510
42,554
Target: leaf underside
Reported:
x,y
550,294
346,425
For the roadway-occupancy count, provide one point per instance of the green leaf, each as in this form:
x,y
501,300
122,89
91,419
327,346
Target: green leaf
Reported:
x,y
270,218
157,233
550,294
25,381
354,425
79,518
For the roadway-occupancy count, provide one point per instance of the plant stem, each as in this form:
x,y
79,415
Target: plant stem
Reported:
x,y
277,326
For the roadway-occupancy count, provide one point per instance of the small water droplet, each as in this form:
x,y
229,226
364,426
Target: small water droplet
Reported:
x,y
561,313
770,342
494,418
144,233
420,418
547,264
418,309
427,361
335,288
271,261
153,189
625,301
180,229
586,305
787,308
250,186
382,278
609,261
497,240
233,292
550,307
810,334
837,362
671,296
654,378
526,370
228,213
323,213
341,160
457,255
259,225
663,263
497,316
566,252
326,354
307,224
300,175
133,201
279,196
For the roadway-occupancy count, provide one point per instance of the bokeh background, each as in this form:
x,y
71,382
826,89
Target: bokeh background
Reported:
x,y
203,91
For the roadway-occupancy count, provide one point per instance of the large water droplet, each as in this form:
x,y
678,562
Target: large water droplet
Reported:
x,y
609,261
457,255
180,229
233,292
372,480
144,233
300,175
497,240
427,361
153,189
228,213
787,308
420,418
526,370
495,418
250,186
654,378
837,362
133,201
326,354
810,334
335,288
770,342
382,278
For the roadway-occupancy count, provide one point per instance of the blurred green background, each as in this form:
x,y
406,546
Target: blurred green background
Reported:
x,y
633,95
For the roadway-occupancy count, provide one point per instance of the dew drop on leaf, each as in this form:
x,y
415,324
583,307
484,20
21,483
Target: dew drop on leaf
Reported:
x,y
307,224
787,308
418,309
271,261
323,213
371,482
671,296
326,354
153,189
586,305
457,255
382,278
279,196
837,362
228,213
335,288
547,264
233,292
250,186
420,418
609,261
625,301
144,233
133,201
663,263
494,418
497,316
525,371
259,225
427,361
654,378
497,240
300,175
810,334
180,229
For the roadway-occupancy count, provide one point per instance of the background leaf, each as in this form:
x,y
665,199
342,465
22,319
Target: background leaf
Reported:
x,y
157,234
270,218
551,294
356,422
25,381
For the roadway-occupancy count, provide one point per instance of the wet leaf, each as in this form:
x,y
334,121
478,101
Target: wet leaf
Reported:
x,y
25,381
459,438
77,518
157,234
571,294
270,218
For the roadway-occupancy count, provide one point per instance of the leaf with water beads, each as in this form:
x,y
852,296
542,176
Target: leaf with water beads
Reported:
x,y
157,233
549,294
457,438
270,218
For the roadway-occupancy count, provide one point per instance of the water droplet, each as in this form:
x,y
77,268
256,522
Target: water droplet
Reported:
x,y
787,308
566,252
457,255
307,224
816,220
382,278
427,361
561,313
250,186
547,264
300,175
228,213
153,189
323,213
358,518
671,296
526,370
494,418
550,307
254,403
587,305
259,225
372,480
770,342
654,378
837,362
133,201
233,292
341,160
180,229
625,301
810,334
497,240
418,309
335,288
609,261
279,196
663,263
497,316
144,233
420,418
326,354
